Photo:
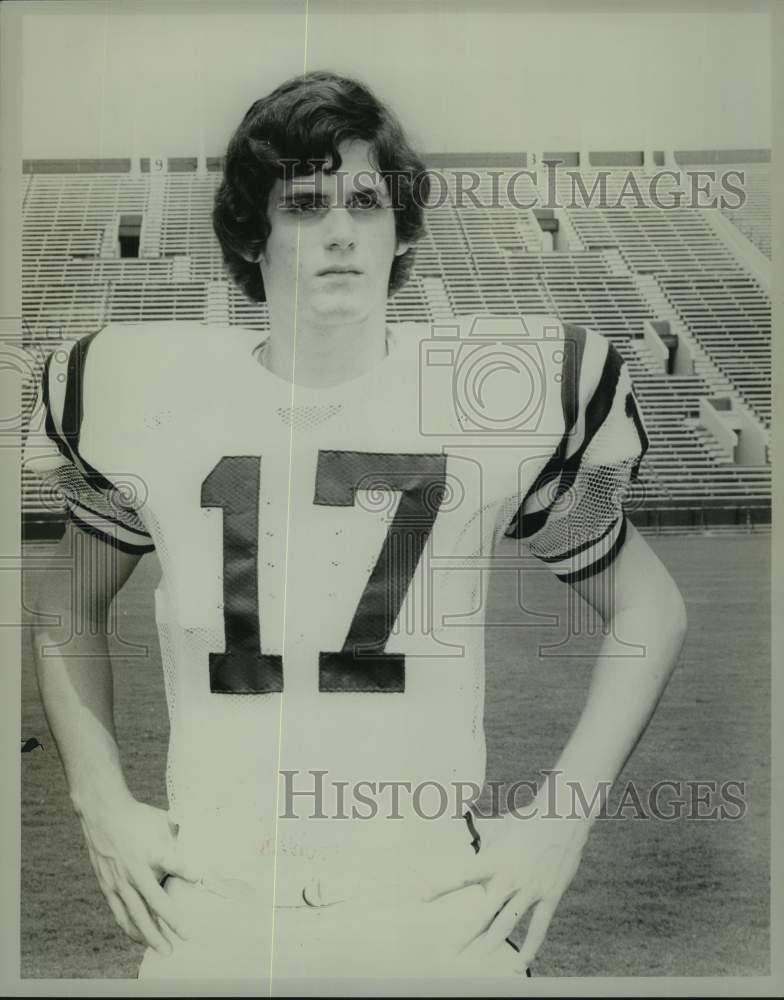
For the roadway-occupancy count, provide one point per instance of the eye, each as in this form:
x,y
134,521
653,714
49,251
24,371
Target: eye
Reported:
x,y
365,200
303,205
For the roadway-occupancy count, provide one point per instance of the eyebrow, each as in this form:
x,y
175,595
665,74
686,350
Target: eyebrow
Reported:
x,y
369,182
309,187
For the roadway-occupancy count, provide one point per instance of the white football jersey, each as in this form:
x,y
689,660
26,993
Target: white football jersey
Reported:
x,y
325,553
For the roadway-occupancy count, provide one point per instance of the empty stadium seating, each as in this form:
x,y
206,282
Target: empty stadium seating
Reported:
x,y
753,216
730,317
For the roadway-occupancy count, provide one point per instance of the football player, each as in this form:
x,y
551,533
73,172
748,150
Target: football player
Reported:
x,y
323,501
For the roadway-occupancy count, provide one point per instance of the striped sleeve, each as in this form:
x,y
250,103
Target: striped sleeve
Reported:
x,y
573,516
53,452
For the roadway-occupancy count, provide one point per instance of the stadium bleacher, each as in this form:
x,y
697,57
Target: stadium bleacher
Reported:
x,y
618,268
730,316
753,216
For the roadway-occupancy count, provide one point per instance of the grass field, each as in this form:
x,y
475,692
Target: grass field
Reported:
x,y
683,897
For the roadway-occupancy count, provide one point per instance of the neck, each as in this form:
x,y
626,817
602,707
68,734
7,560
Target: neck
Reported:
x,y
321,356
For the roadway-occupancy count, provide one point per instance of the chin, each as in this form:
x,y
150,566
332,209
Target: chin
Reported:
x,y
344,309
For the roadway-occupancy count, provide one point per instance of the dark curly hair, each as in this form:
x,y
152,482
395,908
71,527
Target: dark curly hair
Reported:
x,y
303,121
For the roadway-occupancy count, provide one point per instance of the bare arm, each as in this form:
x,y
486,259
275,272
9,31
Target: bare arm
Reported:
x,y
529,863
644,612
73,666
131,844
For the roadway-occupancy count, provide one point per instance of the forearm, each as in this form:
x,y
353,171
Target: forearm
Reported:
x,y
130,844
631,672
75,681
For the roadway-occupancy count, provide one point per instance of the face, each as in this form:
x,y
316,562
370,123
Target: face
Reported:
x,y
332,243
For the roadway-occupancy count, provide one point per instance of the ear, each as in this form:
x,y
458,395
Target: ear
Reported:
x,y
402,248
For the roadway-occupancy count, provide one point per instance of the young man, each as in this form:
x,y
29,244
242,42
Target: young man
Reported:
x,y
321,504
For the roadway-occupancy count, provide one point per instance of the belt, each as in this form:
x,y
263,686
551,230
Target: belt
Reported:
x,y
296,881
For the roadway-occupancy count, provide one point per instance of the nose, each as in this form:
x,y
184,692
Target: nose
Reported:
x,y
339,232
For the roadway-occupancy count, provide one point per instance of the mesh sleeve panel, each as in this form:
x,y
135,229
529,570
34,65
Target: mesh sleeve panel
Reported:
x,y
574,519
585,528
105,513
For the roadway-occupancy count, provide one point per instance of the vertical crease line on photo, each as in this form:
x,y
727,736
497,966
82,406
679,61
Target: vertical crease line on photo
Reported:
x,y
286,565
103,76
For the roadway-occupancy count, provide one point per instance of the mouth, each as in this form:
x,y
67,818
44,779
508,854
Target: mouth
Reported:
x,y
338,270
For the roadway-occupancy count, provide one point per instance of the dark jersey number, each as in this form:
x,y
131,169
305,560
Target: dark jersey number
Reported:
x,y
362,664
233,485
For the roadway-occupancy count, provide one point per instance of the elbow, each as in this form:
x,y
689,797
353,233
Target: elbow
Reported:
x,y
667,608
44,621
659,613
45,607
50,612
48,602
39,610
673,613
680,617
